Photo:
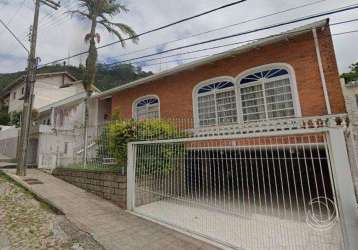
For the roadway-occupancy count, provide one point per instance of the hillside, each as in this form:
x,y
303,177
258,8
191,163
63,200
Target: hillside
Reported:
x,y
106,77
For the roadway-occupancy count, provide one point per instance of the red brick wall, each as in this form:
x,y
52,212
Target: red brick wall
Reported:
x,y
175,91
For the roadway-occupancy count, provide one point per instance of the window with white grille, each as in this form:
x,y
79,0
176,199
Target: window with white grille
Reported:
x,y
216,104
267,95
146,108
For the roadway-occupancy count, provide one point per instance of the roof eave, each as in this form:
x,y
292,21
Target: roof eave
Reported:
x,y
268,40
6,91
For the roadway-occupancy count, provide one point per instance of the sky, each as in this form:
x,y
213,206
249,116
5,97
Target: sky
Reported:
x,y
61,35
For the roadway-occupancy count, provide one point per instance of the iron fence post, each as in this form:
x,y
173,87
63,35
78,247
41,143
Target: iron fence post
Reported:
x,y
131,176
342,176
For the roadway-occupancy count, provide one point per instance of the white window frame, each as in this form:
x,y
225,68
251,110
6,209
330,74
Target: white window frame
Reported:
x,y
201,84
136,101
293,85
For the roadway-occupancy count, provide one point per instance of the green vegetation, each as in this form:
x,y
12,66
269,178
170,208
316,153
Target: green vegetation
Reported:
x,y
106,77
4,177
8,78
4,117
99,13
352,75
15,119
118,134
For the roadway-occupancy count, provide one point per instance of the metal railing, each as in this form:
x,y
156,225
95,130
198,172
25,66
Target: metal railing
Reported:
x,y
65,147
286,189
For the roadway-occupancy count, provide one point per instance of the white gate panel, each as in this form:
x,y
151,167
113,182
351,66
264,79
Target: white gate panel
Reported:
x,y
270,192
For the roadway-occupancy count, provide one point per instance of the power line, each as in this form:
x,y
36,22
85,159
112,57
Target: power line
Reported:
x,y
164,26
230,44
16,12
331,12
243,33
13,34
215,54
53,14
197,57
25,34
60,17
226,27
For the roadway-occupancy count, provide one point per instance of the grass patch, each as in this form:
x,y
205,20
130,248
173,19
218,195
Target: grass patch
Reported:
x,y
22,189
43,204
46,207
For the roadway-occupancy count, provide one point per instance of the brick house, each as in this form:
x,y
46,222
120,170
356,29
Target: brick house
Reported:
x,y
292,74
241,189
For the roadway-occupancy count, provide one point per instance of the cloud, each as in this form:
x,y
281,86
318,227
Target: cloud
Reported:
x,y
60,35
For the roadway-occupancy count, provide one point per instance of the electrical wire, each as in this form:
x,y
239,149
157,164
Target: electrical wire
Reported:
x,y
14,35
167,25
16,12
231,44
237,34
208,55
331,12
225,27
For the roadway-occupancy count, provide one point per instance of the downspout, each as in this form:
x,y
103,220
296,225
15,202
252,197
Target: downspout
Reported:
x,y
53,125
323,78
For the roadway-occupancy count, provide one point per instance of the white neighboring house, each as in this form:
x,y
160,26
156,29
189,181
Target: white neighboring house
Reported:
x,y
350,92
59,101
48,88
58,124
60,131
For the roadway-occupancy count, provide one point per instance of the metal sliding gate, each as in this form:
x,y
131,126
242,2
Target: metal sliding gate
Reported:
x,y
265,191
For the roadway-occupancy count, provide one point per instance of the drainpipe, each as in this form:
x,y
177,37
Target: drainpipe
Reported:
x,y
53,117
323,78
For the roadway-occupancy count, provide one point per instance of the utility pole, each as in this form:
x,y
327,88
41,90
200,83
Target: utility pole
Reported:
x,y
23,142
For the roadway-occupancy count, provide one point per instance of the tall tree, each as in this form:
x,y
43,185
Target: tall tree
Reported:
x,y
353,74
99,12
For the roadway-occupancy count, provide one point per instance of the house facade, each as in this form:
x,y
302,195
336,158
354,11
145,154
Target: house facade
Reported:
x,y
293,74
258,144
350,92
48,88
59,104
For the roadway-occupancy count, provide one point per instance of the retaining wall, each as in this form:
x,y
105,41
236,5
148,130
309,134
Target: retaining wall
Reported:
x,y
108,185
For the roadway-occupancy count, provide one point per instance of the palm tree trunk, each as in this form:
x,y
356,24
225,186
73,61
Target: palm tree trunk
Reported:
x,y
89,79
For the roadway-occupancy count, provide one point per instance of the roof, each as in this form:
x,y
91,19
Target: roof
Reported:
x,y
69,100
241,49
44,75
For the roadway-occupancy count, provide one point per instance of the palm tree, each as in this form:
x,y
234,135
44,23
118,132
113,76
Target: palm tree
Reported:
x,y
98,12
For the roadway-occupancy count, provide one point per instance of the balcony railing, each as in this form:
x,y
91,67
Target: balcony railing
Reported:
x,y
314,122
185,127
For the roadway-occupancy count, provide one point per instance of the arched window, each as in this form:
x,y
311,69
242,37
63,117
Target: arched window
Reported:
x,y
215,102
267,92
146,108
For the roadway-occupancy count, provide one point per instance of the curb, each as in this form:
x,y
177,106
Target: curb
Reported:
x,y
28,188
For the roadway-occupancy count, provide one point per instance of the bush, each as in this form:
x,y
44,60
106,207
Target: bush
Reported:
x,y
157,156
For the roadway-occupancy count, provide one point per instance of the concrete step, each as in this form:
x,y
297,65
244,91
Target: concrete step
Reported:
x,y
7,165
4,158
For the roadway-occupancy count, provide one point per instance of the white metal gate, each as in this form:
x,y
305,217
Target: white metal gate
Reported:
x,y
261,191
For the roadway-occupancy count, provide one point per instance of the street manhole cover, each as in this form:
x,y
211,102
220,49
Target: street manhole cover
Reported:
x,y
33,181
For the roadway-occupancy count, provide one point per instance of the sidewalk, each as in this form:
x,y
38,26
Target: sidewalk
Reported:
x,y
111,226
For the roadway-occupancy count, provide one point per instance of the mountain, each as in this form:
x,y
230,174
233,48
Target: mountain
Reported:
x,y
107,77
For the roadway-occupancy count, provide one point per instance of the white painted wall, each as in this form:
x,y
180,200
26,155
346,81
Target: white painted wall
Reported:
x,y
47,90
57,148
8,141
350,92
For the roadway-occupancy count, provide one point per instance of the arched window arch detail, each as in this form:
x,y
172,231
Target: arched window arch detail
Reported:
x,y
215,102
268,92
147,107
